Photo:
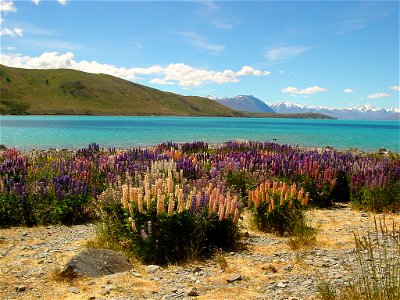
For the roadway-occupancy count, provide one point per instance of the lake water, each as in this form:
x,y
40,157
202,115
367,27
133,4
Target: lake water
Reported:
x,y
28,132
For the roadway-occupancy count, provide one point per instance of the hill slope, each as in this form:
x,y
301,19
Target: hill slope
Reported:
x,y
245,103
65,91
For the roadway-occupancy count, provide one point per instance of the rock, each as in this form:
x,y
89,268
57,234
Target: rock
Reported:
x,y
270,268
74,290
107,289
234,277
193,292
281,284
152,268
288,268
196,270
20,288
136,274
97,263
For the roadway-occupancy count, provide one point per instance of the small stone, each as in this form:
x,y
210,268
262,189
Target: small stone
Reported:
x,y
193,292
92,297
364,215
270,268
234,277
136,274
92,282
246,235
24,233
20,288
196,270
152,268
281,284
73,290
288,268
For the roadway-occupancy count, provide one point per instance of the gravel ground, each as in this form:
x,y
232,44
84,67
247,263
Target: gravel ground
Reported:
x,y
265,269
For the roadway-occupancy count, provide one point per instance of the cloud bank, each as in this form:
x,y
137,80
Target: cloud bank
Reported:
x,y
179,73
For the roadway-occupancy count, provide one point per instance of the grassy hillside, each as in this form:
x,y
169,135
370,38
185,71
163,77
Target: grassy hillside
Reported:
x,y
64,91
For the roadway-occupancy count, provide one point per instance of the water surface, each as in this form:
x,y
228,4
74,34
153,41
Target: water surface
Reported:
x,y
28,132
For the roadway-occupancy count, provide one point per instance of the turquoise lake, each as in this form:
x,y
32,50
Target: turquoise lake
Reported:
x,y
43,132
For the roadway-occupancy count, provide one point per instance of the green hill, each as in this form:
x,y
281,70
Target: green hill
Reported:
x,y
71,92
62,91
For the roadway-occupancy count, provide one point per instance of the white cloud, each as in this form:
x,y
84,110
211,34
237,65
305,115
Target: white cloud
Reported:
x,y
202,42
395,88
11,32
246,70
287,52
62,2
9,48
378,95
160,81
306,91
179,73
348,91
7,6
36,2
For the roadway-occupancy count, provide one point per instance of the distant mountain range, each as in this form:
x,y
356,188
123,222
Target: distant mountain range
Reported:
x,y
250,103
363,112
244,103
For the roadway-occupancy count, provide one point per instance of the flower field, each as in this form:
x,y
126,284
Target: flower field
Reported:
x,y
143,191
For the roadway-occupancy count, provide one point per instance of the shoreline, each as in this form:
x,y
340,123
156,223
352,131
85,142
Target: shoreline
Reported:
x,y
212,146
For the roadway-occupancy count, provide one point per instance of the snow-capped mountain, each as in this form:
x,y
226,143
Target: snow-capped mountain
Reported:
x,y
366,112
244,103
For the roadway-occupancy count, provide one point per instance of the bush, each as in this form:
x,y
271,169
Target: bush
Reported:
x,y
279,210
378,199
240,181
341,189
169,226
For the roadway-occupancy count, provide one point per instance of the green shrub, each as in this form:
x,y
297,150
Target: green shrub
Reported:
x,y
240,181
282,220
378,199
341,189
278,208
165,231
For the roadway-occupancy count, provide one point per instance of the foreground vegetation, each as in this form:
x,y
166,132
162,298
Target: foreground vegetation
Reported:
x,y
42,187
162,201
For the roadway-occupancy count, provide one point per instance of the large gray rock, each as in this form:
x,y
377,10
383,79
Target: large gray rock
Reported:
x,y
97,263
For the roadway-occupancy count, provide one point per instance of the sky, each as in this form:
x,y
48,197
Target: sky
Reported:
x,y
317,53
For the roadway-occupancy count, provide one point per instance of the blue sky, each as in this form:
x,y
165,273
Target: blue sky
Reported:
x,y
328,53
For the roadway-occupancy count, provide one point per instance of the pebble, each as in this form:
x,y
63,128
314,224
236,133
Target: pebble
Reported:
x,y
74,290
234,277
193,292
20,288
152,268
